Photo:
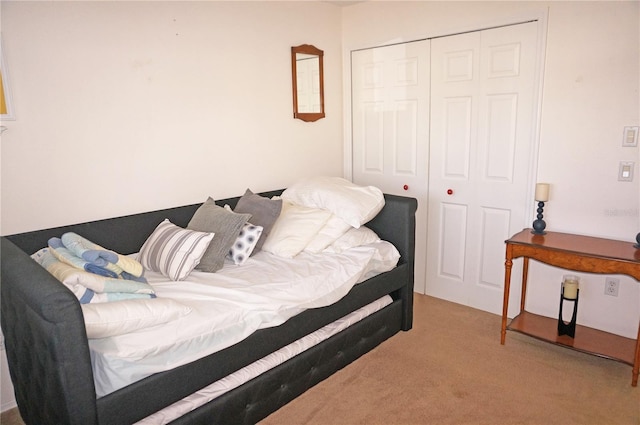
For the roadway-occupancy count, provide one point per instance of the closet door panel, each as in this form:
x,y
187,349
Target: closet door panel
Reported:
x,y
482,107
450,121
390,141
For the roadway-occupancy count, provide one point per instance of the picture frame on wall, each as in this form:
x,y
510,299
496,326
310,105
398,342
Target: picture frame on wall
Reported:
x,y
6,99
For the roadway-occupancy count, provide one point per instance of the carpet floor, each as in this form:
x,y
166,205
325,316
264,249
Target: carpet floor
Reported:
x,y
451,369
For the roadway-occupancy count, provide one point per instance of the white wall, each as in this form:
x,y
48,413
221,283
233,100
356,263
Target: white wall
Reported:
x,y
124,107
590,92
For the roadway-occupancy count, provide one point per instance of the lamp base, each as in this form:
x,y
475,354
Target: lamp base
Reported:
x,y
539,224
538,227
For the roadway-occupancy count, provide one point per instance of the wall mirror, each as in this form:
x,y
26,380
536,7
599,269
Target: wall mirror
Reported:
x,y
308,82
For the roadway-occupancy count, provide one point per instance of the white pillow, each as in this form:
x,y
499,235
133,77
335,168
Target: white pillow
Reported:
x,y
245,243
354,237
120,317
294,229
332,230
174,251
354,204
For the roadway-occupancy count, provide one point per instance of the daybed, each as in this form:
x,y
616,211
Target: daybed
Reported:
x,y
49,357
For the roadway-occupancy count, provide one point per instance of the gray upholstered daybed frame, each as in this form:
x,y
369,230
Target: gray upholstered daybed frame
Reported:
x,y
48,354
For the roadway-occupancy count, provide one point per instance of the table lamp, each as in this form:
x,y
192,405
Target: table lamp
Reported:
x,y
542,196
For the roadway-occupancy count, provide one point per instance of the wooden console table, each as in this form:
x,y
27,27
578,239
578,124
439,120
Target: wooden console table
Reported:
x,y
578,253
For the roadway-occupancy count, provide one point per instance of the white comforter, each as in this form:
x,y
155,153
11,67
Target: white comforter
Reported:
x,y
229,305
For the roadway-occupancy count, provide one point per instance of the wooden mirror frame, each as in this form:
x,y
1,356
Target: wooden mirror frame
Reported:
x,y
307,49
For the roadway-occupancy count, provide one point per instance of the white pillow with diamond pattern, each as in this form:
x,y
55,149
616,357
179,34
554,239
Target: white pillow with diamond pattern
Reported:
x,y
245,243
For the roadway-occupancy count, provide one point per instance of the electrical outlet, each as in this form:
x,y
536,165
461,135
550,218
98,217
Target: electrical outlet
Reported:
x,y
625,171
611,285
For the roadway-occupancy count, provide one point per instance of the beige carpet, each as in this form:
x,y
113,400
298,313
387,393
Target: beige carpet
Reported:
x,y
451,369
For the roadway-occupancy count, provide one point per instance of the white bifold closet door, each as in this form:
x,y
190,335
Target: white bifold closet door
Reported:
x,y
482,114
390,121
473,166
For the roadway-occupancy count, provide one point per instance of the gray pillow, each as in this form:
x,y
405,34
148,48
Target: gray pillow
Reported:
x,y
264,212
225,224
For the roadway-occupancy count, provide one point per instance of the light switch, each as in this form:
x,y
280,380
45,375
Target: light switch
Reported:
x,y
630,137
625,174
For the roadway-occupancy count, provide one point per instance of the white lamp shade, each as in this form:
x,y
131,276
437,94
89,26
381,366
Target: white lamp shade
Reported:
x,y
542,192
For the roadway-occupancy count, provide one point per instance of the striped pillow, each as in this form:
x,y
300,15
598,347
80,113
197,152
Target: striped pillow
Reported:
x,y
173,251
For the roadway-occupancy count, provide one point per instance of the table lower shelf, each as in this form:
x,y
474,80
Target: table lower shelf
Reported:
x,y
587,340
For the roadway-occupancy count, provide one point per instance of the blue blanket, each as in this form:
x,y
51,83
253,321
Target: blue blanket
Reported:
x,y
90,287
97,255
59,251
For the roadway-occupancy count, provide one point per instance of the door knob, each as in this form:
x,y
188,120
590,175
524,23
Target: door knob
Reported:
x,y
449,192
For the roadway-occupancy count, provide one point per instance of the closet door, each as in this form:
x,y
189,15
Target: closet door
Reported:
x,y
390,113
483,104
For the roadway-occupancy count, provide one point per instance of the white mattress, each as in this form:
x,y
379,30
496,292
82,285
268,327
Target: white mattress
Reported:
x,y
229,305
256,368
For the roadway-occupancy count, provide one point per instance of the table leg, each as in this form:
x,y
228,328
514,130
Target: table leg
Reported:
x,y
636,362
505,301
525,273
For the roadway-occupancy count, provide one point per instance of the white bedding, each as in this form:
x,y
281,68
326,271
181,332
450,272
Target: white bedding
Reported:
x,y
229,305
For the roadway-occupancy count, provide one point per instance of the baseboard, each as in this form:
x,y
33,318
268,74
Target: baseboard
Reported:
x,y
7,397
8,406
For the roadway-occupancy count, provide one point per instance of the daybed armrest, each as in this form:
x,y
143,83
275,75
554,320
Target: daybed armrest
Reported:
x,y
46,343
396,223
